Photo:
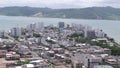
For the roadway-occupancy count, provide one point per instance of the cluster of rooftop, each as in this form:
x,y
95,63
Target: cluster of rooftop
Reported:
x,y
62,46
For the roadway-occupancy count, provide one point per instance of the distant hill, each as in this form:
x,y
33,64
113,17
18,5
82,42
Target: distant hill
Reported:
x,y
108,13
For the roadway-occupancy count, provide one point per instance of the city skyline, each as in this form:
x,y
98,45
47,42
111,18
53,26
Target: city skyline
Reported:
x,y
57,4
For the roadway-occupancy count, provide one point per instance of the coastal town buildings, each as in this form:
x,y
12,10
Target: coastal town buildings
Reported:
x,y
76,46
16,32
61,24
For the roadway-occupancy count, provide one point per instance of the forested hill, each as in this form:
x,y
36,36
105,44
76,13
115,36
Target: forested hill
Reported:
x,y
107,13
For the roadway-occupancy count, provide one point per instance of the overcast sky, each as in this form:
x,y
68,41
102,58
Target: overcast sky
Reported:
x,y
60,3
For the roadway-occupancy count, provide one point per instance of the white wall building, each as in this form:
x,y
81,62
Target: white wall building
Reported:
x,y
31,27
16,32
86,29
99,33
92,60
40,26
87,59
2,33
102,66
77,26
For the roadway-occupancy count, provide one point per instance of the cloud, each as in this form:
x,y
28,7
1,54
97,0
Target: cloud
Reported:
x,y
60,3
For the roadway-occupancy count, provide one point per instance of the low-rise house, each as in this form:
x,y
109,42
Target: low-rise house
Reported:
x,y
93,60
59,50
76,64
88,60
12,57
102,66
39,63
28,66
2,53
103,40
50,53
113,61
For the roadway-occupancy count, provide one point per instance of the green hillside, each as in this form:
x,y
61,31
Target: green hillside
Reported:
x,y
108,13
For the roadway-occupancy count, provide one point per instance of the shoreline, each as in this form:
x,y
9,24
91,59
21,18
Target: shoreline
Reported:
x,y
61,18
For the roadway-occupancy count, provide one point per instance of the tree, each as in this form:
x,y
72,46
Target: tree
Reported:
x,y
36,35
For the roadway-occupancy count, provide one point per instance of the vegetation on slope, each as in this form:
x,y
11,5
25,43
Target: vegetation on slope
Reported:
x,y
83,13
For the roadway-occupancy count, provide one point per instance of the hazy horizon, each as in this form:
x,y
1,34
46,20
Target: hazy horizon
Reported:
x,y
58,8
59,4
